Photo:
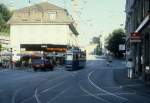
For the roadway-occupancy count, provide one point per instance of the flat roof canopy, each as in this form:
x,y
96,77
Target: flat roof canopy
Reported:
x,y
43,47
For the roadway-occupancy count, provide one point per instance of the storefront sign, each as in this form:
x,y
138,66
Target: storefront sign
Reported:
x,y
56,49
135,37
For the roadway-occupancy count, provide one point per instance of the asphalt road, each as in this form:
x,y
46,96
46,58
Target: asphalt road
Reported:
x,y
93,84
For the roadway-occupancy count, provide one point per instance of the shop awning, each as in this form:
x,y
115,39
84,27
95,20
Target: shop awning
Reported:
x,y
41,47
135,36
143,24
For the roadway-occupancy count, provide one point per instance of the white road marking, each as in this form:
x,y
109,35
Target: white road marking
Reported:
x,y
57,96
36,97
103,90
48,89
93,95
73,73
25,100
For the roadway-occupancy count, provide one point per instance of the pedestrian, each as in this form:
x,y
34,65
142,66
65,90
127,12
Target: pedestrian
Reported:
x,y
30,63
109,60
130,67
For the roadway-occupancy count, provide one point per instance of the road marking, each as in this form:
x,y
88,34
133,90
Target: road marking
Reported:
x,y
15,95
36,97
104,94
101,89
36,89
57,96
46,90
91,94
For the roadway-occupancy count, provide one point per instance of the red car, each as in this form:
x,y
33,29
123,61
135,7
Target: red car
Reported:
x,y
42,64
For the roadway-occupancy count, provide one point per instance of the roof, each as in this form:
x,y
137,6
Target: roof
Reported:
x,y
39,13
42,6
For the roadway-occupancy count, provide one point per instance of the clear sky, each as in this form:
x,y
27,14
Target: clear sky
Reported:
x,y
96,16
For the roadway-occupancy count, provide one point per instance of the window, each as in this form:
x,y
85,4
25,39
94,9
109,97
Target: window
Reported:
x,y
70,57
52,15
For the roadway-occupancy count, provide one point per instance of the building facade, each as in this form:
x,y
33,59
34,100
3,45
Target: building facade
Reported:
x,y
42,24
4,42
138,35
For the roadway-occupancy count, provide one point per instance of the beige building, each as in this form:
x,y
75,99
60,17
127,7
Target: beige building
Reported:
x,y
42,24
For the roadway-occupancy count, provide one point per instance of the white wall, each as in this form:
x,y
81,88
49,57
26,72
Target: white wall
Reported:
x,y
38,34
35,34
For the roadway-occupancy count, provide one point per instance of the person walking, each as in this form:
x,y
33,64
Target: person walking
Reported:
x,y
130,67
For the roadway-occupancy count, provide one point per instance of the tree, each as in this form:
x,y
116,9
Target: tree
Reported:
x,y
114,40
5,15
0,47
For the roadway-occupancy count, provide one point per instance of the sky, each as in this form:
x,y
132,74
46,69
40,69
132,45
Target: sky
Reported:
x,y
95,16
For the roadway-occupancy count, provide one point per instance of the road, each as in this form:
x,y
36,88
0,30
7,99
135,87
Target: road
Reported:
x,y
93,84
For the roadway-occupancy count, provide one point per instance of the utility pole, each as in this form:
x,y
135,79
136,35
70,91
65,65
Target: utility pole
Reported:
x,y
100,45
11,60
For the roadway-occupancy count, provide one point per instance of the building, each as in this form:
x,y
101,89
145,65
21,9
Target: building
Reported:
x,y
5,53
138,35
42,27
4,42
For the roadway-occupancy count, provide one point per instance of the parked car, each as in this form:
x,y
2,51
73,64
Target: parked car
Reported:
x,y
41,64
48,64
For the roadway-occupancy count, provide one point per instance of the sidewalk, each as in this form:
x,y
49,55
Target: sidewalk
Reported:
x,y
27,69
120,76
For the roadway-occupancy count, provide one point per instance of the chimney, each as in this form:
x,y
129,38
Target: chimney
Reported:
x,y
29,3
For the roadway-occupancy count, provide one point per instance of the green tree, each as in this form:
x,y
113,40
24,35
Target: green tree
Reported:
x,y
114,40
5,15
0,47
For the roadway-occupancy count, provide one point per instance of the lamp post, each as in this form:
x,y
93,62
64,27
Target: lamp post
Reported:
x,y
100,47
11,61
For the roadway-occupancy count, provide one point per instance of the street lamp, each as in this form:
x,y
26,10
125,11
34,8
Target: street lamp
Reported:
x,y
100,45
11,61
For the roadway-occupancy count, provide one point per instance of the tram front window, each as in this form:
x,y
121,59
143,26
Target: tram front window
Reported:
x,y
69,57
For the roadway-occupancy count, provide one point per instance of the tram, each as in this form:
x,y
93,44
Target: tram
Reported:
x,y
75,59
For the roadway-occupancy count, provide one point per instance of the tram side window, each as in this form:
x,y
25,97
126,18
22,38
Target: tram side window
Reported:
x,y
75,56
